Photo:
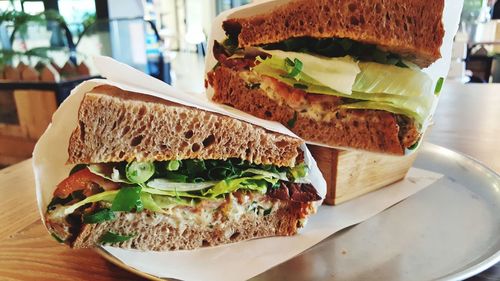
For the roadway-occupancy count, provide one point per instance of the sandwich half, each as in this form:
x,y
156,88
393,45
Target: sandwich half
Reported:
x,y
151,174
339,73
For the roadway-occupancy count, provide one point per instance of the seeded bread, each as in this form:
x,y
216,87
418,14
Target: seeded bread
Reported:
x,y
372,130
115,125
411,28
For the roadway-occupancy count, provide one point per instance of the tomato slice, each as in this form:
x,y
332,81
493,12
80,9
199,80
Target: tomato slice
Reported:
x,y
83,180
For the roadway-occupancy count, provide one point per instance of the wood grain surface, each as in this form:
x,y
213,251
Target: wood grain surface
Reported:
x,y
467,121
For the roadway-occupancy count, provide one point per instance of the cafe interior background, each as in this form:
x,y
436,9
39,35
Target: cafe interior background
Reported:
x,y
46,49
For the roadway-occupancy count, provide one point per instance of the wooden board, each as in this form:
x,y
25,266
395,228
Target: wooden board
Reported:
x,y
350,174
28,252
35,109
15,149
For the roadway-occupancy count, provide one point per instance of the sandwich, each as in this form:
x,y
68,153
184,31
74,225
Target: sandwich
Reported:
x,y
151,174
344,74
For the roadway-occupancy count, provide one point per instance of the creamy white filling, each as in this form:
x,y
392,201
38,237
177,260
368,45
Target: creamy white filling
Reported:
x,y
313,110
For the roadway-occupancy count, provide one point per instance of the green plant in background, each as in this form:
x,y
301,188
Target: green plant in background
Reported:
x,y
19,22
88,20
471,10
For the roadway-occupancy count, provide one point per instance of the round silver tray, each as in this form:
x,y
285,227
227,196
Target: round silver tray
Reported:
x,y
448,231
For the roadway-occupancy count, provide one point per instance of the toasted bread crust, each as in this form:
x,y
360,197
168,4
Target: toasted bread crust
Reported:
x,y
371,130
412,28
115,125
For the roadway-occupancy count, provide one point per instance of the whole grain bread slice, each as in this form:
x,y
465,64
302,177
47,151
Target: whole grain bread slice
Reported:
x,y
411,28
115,125
372,130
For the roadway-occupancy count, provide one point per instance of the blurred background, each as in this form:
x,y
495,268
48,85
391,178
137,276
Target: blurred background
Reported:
x,y
46,48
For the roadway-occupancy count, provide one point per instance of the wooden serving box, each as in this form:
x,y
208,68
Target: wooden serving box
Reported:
x,y
350,174
26,108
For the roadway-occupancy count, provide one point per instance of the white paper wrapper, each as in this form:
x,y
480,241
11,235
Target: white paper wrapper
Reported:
x,y
51,151
451,17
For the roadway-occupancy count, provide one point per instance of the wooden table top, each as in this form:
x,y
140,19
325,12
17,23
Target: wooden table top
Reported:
x,y
467,121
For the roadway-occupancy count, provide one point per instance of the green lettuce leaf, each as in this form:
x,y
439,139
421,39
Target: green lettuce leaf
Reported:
x,y
107,196
335,73
255,183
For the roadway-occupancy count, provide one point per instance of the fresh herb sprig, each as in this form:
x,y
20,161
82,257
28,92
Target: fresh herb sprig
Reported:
x,y
337,47
197,170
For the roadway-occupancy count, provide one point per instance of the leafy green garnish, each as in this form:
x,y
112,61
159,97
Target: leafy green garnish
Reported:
x,y
337,47
100,216
149,203
293,67
77,168
193,179
107,196
255,183
414,146
110,237
173,165
57,238
291,122
300,86
139,172
75,195
439,86
299,171
128,199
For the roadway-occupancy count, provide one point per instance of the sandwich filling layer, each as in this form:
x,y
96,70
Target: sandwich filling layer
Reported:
x,y
180,194
320,77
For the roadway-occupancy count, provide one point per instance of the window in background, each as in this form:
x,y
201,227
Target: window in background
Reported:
x,y
222,5
33,7
76,13
30,7
10,5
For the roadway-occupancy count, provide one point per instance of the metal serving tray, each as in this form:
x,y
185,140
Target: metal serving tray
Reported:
x,y
448,231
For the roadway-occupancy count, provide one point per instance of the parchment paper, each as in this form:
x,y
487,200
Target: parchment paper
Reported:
x,y
451,17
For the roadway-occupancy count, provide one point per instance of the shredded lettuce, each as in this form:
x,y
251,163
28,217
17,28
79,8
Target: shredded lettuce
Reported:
x,y
149,203
201,179
107,196
107,171
255,183
166,184
268,174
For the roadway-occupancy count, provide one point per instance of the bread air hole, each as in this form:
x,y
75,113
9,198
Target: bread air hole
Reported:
x,y
188,134
142,112
354,20
136,140
234,236
208,141
195,147
125,130
82,131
